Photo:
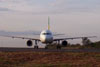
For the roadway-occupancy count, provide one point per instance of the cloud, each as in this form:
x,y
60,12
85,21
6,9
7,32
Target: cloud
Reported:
x,y
19,33
4,9
50,6
76,5
23,5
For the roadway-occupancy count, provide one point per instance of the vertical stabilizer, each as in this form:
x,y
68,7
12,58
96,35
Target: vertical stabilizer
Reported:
x,y
48,23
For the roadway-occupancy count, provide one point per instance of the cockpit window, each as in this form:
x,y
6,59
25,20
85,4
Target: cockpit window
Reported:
x,y
46,33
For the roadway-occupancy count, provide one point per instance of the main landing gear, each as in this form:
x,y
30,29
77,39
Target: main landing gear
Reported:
x,y
36,46
58,45
46,47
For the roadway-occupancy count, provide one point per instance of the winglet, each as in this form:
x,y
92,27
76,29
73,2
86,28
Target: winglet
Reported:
x,y
48,23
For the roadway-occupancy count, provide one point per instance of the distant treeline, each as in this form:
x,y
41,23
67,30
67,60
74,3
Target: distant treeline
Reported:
x,y
90,45
78,46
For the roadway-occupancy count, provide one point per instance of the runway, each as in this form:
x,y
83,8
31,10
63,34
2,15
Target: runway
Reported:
x,y
8,49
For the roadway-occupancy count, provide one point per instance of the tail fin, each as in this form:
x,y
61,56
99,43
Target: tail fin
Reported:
x,y
48,23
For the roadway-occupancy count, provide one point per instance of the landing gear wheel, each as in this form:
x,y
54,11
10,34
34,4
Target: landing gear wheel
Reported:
x,y
36,47
46,47
58,47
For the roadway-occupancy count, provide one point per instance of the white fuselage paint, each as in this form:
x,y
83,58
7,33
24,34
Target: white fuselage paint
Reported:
x,y
46,36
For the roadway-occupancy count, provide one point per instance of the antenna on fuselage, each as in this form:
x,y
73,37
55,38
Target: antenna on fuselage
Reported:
x,y
48,23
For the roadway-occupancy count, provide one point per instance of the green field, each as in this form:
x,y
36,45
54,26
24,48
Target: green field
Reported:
x,y
49,59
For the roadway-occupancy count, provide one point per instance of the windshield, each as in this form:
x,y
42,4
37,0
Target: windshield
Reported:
x,y
46,33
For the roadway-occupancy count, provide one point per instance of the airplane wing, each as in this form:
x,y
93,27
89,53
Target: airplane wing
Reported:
x,y
57,39
58,34
21,37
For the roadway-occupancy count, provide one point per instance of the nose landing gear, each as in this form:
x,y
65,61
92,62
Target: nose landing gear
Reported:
x,y
46,47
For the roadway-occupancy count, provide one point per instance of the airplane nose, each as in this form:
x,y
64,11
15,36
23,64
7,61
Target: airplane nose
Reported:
x,y
48,39
43,39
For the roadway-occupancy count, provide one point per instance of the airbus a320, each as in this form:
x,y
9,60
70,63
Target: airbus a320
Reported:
x,y
47,38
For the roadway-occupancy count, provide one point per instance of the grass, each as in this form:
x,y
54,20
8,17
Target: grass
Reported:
x,y
49,59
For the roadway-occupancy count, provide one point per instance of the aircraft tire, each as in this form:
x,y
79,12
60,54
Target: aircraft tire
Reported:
x,y
46,47
58,47
36,47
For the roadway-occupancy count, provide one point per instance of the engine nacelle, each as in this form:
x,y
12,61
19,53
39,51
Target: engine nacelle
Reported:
x,y
64,43
29,43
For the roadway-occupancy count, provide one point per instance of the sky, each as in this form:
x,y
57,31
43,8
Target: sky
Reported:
x,y
71,17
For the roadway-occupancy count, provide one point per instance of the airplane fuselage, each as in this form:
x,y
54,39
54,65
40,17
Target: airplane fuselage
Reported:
x,y
46,36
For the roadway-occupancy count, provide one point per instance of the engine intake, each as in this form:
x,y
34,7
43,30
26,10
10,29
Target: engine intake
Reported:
x,y
29,43
64,43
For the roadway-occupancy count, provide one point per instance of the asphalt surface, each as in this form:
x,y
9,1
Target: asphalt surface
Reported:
x,y
6,49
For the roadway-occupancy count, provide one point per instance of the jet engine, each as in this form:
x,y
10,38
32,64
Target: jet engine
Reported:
x,y
64,43
29,43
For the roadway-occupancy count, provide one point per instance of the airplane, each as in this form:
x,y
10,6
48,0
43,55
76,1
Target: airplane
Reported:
x,y
46,37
